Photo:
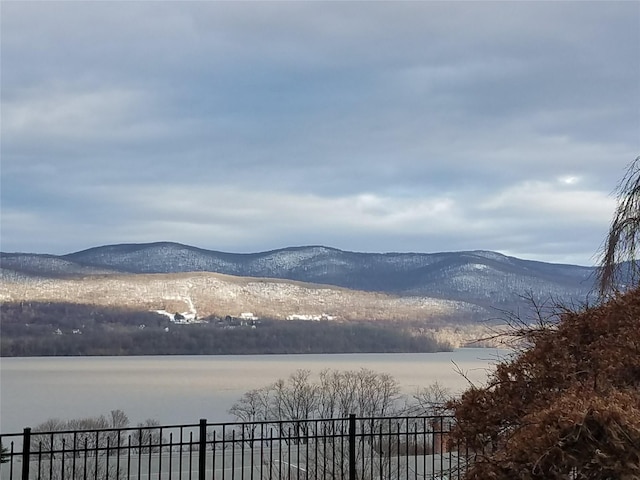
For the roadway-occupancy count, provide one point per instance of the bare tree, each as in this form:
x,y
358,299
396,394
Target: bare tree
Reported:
x,y
4,454
79,447
363,392
119,419
294,399
619,266
336,394
297,404
148,436
430,400
254,406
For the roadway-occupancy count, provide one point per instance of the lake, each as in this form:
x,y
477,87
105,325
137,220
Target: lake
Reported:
x,y
183,389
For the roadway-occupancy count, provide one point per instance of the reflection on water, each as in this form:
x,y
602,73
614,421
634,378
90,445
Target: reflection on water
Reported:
x,y
183,389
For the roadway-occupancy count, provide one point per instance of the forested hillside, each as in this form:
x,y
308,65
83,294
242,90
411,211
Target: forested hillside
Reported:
x,y
36,329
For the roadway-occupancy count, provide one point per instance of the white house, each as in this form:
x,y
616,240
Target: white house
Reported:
x,y
312,318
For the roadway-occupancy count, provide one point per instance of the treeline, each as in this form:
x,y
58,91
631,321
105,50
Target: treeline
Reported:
x,y
337,394
46,329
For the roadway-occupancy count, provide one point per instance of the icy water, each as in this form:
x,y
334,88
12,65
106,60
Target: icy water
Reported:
x,y
183,389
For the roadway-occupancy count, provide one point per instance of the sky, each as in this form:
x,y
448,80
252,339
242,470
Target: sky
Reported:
x,y
364,126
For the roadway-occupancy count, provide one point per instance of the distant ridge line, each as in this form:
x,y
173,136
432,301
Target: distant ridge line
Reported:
x,y
480,277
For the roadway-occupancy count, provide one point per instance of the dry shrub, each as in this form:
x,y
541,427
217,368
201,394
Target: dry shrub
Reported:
x,y
568,406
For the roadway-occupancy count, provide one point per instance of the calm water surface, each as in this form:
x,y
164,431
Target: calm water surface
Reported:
x,y
183,389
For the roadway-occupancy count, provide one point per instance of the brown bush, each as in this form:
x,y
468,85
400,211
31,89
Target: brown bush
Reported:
x,y
568,406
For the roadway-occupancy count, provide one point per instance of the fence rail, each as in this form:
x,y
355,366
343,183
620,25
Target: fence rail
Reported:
x,y
352,448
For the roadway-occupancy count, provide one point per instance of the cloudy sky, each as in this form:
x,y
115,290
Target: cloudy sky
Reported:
x,y
365,126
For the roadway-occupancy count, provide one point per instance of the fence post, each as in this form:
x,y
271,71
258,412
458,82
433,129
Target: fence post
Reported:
x,y
352,446
202,450
26,452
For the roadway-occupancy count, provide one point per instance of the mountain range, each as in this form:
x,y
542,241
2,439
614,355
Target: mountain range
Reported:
x,y
483,279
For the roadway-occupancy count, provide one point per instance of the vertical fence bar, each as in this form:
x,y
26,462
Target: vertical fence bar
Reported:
x,y
202,450
107,461
119,444
362,449
51,449
224,447
233,454
352,446
441,448
242,451
299,437
389,439
191,454
380,452
171,454
128,456
139,442
26,452
214,446
62,457
406,455
331,431
425,447
448,448
306,470
75,447
398,447
315,455
85,453
160,447
372,433
181,450
39,460
12,452
95,469
289,442
415,448
280,435
149,456
270,453
433,445
261,450
252,451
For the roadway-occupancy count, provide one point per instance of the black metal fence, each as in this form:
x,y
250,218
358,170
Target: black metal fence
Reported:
x,y
389,448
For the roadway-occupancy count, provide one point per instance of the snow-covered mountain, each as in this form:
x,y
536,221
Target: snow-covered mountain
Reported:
x,y
486,279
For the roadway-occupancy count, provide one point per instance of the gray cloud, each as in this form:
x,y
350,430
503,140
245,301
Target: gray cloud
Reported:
x,y
419,126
